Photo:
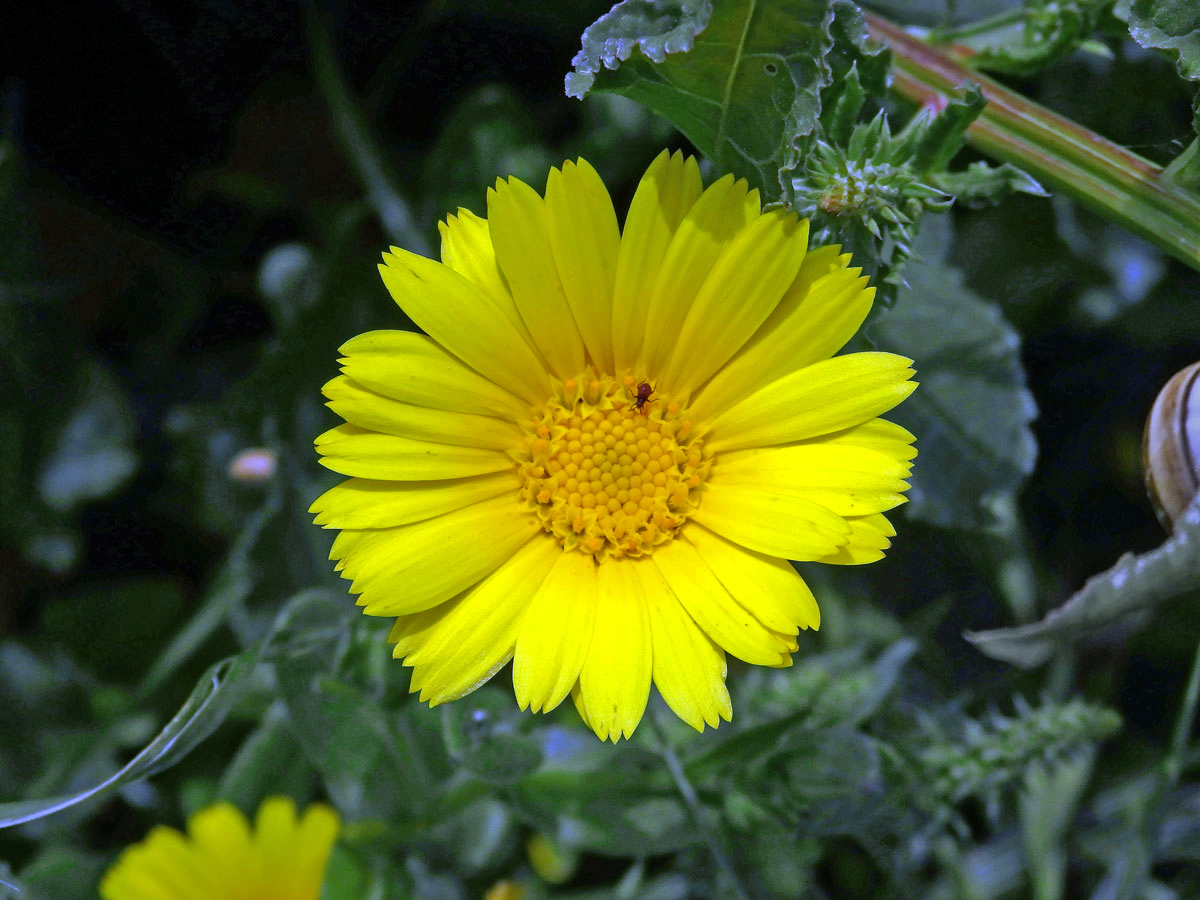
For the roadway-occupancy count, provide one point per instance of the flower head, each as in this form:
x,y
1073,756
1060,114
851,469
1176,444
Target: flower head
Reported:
x,y
600,456
221,858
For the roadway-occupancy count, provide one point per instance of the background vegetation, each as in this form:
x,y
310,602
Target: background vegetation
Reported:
x,y
192,202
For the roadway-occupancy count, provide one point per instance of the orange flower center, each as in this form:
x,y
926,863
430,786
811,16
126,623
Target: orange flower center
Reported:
x,y
606,477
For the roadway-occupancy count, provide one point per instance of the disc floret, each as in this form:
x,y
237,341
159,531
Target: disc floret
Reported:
x,y
605,477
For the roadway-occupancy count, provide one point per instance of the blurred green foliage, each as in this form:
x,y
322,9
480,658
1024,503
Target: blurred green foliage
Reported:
x,y
171,633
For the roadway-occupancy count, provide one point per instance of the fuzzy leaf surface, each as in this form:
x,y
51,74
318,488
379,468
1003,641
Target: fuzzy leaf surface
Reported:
x,y
741,79
1117,598
972,411
344,732
1049,32
215,693
1171,25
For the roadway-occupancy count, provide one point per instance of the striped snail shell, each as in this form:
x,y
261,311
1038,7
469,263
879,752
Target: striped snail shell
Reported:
x,y
1171,446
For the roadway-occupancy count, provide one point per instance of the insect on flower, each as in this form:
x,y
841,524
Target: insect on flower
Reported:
x,y
644,392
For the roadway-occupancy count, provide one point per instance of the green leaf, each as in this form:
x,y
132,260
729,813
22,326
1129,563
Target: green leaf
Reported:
x,y
827,782
1048,805
946,131
269,761
61,871
1051,29
840,117
1172,25
215,693
1179,836
742,79
972,412
829,690
484,833
866,688
1184,169
1117,599
982,184
853,52
485,739
10,888
232,585
372,760
997,749
653,29
623,806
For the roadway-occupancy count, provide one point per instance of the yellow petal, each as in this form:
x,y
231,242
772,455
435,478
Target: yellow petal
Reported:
x,y
457,314
720,213
819,399
614,682
815,321
311,846
275,849
162,867
222,833
276,818
723,619
413,567
520,234
477,635
411,367
819,262
756,267
350,450
585,239
765,585
467,249
364,503
812,322
367,409
868,539
776,524
849,480
556,633
410,632
886,437
577,699
689,669
670,187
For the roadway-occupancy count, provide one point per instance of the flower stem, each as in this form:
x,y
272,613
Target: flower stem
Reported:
x,y
1094,171
354,134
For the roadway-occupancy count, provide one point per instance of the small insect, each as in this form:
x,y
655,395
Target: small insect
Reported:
x,y
644,392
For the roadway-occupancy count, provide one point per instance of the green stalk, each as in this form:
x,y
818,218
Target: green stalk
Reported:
x,y
353,132
1088,168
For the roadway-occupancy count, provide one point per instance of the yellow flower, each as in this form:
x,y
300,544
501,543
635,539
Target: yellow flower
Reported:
x,y
220,858
600,458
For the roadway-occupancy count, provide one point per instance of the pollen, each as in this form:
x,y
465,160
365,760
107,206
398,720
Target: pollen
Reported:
x,y
606,477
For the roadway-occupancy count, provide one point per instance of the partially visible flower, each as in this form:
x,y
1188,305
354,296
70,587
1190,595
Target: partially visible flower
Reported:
x,y
600,456
505,890
221,858
553,862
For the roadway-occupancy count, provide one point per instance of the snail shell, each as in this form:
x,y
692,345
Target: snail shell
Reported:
x,y
1171,445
